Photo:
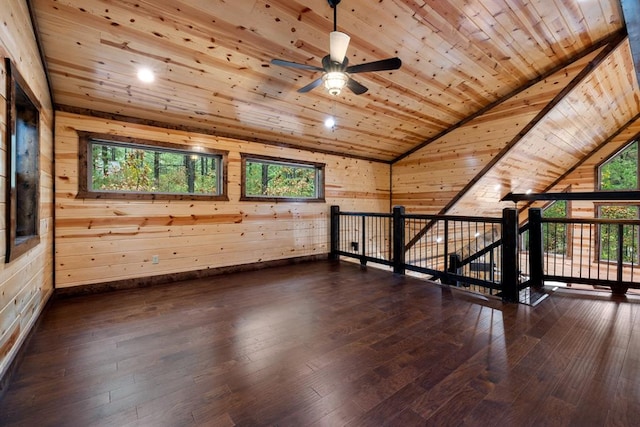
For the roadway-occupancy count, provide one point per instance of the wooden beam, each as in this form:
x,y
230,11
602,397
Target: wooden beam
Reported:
x,y
631,13
595,196
607,41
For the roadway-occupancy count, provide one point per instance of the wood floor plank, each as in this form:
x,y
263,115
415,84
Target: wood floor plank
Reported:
x,y
326,344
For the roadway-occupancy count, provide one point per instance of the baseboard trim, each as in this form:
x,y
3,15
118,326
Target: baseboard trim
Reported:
x,y
142,282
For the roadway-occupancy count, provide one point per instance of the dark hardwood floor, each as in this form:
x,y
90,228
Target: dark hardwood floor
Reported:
x,y
327,344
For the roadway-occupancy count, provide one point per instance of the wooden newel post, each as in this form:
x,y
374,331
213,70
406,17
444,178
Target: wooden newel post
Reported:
x,y
335,232
510,255
398,240
536,261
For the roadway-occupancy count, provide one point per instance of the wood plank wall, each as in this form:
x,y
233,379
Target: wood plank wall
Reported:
x,y
585,179
27,282
427,180
99,241
527,143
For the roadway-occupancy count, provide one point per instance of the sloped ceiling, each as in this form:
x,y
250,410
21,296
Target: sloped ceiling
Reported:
x,y
490,92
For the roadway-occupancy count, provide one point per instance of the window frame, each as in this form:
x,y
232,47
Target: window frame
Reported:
x,y
85,140
568,229
18,245
598,167
319,184
597,206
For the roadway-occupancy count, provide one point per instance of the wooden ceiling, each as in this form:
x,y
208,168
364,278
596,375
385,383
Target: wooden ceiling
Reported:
x,y
213,72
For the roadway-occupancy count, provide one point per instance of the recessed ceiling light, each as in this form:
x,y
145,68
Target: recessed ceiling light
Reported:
x,y
145,75
330,122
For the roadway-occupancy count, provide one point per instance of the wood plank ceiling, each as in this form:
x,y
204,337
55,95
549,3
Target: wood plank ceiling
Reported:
x,y
485,89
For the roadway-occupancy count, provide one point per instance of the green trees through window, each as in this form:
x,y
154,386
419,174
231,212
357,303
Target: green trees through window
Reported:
x,y
618,173
555,235
143,170
130,168
269,178
609,233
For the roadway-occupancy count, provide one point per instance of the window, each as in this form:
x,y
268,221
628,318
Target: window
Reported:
x,y
619,173
23,165
556,235
273,179
142,169
609,233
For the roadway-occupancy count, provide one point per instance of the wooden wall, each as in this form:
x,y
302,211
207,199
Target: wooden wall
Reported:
x,y
428,180
584,177
27,282
109,240
525,143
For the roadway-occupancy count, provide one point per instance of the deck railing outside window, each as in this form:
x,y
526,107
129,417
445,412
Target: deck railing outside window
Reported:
x,y
598,252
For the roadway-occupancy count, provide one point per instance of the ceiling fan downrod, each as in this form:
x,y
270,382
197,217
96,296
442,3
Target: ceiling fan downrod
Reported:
x,y
334,6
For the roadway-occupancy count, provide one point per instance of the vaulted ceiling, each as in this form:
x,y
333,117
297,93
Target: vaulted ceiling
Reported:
x,y
506,79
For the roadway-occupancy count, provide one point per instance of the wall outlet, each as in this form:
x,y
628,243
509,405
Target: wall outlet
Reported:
x,y
155,259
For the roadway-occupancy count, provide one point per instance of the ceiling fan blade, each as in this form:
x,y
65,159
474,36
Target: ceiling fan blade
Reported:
x,y
314,84
338,44
282,63
356,87
382,65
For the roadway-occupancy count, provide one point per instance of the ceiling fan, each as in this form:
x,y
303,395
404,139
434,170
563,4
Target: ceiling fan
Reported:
x,y
335,65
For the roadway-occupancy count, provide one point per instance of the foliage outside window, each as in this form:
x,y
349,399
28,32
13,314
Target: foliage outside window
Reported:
x,y
609,234
23,165
127,168
619,173
273,179
555,235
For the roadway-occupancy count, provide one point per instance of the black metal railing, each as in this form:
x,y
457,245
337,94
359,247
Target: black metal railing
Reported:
x,y
596,252
365,236
493,255
455,250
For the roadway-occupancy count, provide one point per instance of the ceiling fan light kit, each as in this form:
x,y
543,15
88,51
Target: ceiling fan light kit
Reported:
x,y
336,73
334,82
